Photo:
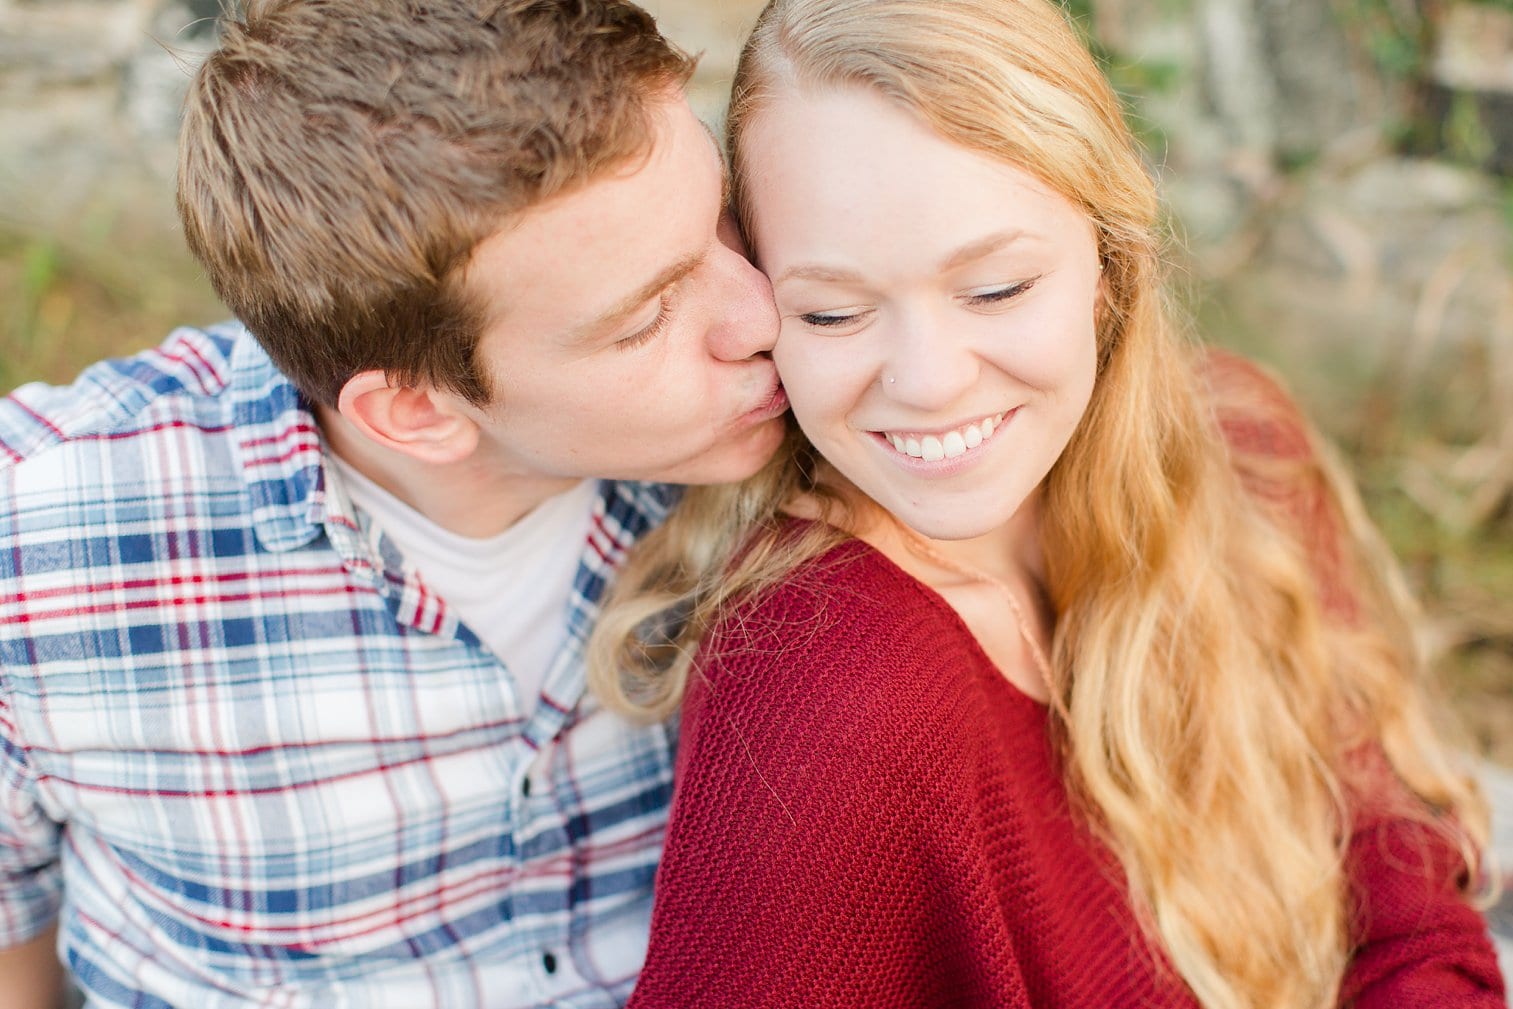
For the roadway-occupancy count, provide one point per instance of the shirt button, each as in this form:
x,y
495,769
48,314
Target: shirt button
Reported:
x,y
549,963
525,787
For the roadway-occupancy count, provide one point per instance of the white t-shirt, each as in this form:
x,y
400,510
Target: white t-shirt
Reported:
x,y
510,589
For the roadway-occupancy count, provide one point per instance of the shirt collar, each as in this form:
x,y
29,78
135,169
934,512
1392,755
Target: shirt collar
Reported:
x,y
294,499
279,445
280,449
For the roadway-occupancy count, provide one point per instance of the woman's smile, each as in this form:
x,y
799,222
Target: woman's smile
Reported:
x,y
950,443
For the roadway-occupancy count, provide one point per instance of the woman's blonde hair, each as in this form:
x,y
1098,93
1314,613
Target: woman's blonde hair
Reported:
x,y
1224,690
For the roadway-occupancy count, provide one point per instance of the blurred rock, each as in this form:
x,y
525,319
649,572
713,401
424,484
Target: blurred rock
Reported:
x,y
1474,50
1468,97
1497,786
1393,275
66,43
90,92
89,105
714,32
1246,91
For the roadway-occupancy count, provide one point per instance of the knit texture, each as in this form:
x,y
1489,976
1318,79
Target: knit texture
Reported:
x,y
868,814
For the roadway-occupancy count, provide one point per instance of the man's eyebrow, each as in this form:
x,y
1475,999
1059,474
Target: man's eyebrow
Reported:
x,y
625,306
968,253
668,277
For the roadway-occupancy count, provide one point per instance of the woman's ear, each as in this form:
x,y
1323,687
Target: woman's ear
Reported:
x,y
422,422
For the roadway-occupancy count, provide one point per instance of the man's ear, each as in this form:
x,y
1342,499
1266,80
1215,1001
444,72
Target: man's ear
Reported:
x,y
421,422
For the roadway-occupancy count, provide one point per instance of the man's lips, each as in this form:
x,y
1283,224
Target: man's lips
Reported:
x,y
775,405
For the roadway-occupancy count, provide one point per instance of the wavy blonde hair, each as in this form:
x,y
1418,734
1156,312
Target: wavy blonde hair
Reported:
x,y
1224,691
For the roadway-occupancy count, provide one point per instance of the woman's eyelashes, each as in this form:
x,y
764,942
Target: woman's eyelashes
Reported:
x,y
978,298
998,295
830,319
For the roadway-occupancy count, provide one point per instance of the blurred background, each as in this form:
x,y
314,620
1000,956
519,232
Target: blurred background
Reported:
x,y
1339,173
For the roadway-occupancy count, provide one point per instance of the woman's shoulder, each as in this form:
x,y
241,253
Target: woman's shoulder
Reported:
x,y
1285,468
1257,415
845,631
849,601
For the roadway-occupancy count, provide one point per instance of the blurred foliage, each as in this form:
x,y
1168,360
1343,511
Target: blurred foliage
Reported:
x,y
1465,135
1396,33
1132,79
1464,578
72,301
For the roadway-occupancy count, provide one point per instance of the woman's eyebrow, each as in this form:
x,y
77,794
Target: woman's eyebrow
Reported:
x,y
820,274
974,250
980,248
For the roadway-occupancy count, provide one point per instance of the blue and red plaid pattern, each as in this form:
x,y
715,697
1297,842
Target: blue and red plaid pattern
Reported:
x,y
256,761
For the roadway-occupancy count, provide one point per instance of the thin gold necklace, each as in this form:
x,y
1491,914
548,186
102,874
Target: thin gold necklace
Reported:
x,y
923,548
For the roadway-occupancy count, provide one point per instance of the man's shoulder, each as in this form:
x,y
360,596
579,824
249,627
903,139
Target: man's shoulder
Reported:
x,y
630,510
653,500
179,385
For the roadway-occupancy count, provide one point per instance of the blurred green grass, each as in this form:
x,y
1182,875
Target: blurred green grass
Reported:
x,y
70,300
1464,578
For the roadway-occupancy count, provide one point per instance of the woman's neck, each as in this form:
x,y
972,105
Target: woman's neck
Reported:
x,y
1009,553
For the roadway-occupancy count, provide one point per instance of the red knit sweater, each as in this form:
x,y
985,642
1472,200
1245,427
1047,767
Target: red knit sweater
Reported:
x,y
868,814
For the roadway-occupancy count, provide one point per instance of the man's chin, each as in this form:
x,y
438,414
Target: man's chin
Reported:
x,y
733,460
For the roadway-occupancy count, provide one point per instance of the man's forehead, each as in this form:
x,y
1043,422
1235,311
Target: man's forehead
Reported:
x,y
719,152
604,249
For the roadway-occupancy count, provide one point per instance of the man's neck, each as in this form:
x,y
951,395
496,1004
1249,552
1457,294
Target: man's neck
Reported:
x,y
467,498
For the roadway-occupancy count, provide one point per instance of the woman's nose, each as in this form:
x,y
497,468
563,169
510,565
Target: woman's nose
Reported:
x,y
927,369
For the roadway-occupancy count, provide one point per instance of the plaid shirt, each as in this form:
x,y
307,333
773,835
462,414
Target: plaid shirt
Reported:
x,y
256,761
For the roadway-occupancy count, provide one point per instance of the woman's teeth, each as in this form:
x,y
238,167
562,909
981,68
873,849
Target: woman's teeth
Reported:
x,y
934,447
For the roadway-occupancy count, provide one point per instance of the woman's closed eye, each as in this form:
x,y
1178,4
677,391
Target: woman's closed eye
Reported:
x,y
982,297
832,320
999,294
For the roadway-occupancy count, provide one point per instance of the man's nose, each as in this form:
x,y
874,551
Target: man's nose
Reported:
x,y
746,322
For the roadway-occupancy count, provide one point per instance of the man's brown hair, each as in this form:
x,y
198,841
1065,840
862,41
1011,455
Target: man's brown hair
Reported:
x,y
340,159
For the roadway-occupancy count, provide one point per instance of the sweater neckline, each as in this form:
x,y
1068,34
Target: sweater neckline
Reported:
x,y
863,550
